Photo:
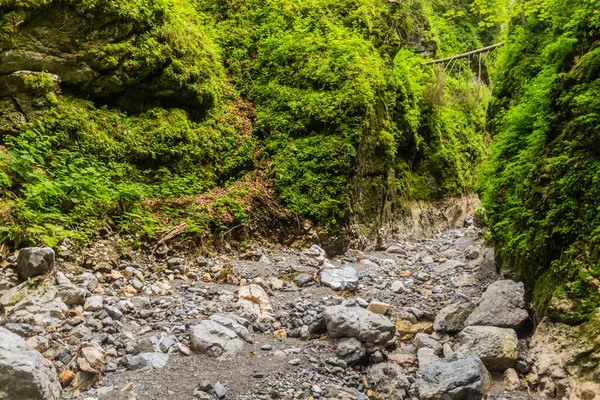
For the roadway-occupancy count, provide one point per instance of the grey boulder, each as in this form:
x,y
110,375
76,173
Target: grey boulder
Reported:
x,y
343,278
496,347
350,350
72,295
370,328
151,359
451,319
502,305
458,377
423,340
214,339
24,373
237,324
35,261
386,380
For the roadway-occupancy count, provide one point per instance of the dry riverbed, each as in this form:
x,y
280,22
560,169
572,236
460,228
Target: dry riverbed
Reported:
x,y
423,320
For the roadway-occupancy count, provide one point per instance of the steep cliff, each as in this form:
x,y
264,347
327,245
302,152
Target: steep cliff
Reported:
x,y
110,108
541,190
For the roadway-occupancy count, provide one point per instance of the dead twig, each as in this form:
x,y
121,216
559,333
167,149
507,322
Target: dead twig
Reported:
x,y
178,230
74,358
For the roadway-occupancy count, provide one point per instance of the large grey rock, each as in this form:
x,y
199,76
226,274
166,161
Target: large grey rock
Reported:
x,y
370,328
343,278
162,343
35,261
214,339
155,360
237,324
502,305
426,355
72,295
350,350
41,307
456,378
303,280
496,347
451,319
313,256
423,340
24,373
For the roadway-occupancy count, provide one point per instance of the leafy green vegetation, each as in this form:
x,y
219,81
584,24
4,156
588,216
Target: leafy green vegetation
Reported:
x,y
328,100
344,106
541,189
80,164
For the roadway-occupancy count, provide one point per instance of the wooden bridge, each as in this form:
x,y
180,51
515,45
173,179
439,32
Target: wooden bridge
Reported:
x,y
481,54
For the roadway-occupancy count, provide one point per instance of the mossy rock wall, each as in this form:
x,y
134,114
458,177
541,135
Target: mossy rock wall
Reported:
x,y
541,190
153,100
135,55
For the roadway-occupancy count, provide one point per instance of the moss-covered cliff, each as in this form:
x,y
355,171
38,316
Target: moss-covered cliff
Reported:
x,y
541,189
112,106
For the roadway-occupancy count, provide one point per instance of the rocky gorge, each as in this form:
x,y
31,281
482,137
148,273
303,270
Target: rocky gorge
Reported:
x,y
426,319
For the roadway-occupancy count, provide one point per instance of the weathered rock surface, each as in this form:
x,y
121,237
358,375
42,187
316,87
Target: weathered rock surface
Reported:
x,y
456,378
72,295
451,319
388,381
24,373
237,324
423,340
35,261
343,278
496,347
155,360
254,298
502,305
313,256
370,328
214,339
350,350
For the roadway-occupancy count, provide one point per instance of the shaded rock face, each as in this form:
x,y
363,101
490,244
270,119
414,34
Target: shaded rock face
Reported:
x,y
502,305
420,220
455,378
94,52
24,373
496,347
370,328
35,261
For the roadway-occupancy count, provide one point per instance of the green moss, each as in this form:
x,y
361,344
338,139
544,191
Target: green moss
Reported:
x,y
541,187
38,82
79,166
156,53
347,123
337,121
